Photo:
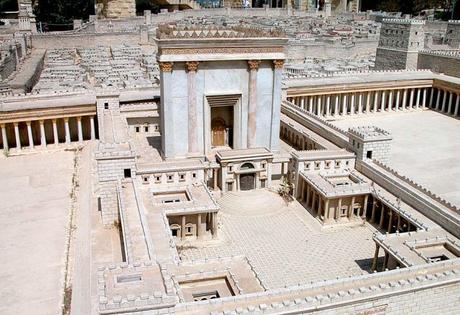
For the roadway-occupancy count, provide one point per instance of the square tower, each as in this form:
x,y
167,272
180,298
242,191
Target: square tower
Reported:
x,y
453,34
399,44
220,87
370,142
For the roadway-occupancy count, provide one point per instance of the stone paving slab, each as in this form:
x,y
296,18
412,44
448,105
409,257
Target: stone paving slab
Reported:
x,y
284,243
425,147
34,194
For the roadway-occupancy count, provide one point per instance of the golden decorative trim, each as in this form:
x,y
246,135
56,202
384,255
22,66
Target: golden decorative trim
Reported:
x,y
253,64
221,50
278,64
191,66
166,66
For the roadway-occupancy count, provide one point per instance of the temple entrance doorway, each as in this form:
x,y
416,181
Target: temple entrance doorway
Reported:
x,y
247,179
222,126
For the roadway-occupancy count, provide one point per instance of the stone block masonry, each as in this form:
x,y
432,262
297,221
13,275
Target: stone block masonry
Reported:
x,y
120,9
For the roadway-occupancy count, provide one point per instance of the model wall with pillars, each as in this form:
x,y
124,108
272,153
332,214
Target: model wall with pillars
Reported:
x,y
186,113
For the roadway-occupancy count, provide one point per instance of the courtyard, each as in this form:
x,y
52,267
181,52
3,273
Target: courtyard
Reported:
x,y
35,195
284,243
425,147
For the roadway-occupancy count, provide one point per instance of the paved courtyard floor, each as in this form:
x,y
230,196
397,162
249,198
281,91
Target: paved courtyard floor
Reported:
x,y
426,147
34,194
284,243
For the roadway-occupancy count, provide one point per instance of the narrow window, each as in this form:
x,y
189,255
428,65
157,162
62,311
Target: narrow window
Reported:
x,y
127,172
369,154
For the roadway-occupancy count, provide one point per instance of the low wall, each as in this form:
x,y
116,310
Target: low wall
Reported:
x,y
440,62
83,40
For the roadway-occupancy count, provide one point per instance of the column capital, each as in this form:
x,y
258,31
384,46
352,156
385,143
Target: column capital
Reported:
x,y
166,66
41,121
29,123
78,118
278,64
253,64
2,125
16,123
66,119
191,66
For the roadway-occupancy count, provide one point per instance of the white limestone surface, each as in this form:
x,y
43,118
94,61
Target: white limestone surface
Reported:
x,y
34,195
425,147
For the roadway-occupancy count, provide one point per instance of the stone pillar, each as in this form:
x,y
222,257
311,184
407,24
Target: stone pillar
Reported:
x,y
191,67
302,102
93,128
167,133
424,98
457,104
4,137
398,98
326,209
444,102
431,97
390,221
313,202
417,102
16,135
352,104
199,230
449,108
382,104
438,99
360,103
319,109
344,104
336,106
328,105
215,178
376,101
404,99
67,130
382,215
320,203
411,100
339,209
350,211
30,135
373,211
55,132
310,104
252,110
368,102
390,100
376,257
42,133
80,130
366,198
308,195
182,227
214,225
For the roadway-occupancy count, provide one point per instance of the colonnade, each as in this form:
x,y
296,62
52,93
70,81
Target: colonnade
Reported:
x,y
331,209
196,225
296,139
389,220
43,132
351,103
445,101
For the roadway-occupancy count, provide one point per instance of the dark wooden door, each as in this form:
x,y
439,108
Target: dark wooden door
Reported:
x,y
247,181
218,132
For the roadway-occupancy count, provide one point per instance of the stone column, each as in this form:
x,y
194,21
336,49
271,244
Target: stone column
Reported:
x,y
42,133
252,110
215,178
313,202
167,133
390,221
214,225
55,132
449,108
373,211
326,209
431,98
199,230
308,195
93,128
404,99
457,103
80,130
310,104
424,98
376,101
390,101
302,102
182,227
368,102
365,207
382,104
17,136
336,105
67,130
398,98
352,104
411,100
444,101
30,135
339,209
376,257
4,137
382,216
319,109
344,104
438,99
328,105
350,211
360,103
191,67
417,102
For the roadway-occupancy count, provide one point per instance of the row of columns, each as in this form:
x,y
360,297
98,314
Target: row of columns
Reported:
x,y
321,206
446,101
330,105
389,220
31,142
294,138
203,221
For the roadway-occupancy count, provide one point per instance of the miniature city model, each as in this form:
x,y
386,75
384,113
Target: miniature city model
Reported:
x,y
185,164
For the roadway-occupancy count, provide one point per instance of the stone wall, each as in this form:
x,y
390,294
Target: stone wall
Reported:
x,y
453,34
83,40
389,59
120,9
440,61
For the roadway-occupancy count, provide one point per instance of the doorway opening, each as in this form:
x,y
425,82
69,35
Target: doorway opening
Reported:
x,y
247,180
222,126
